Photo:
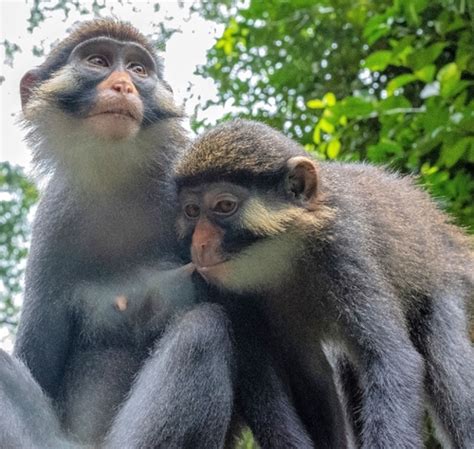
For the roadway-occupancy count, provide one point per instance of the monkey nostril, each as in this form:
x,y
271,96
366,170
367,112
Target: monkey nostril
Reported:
x,y
123,88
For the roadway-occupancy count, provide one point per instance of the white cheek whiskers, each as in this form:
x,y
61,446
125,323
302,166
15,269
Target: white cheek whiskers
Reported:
x,y
262,266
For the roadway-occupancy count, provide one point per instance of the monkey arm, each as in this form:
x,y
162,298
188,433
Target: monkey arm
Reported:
x,y
143,299
44,332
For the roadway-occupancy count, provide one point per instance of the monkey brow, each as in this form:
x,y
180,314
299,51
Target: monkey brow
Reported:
x,y
245,178
101,40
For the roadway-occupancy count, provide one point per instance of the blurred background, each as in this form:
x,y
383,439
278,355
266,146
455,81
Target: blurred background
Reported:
x,y
385,81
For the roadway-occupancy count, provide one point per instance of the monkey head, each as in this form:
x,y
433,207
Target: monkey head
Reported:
x,y
99,97
249,197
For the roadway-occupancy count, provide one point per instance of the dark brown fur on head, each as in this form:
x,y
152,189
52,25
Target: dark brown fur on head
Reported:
x,y
112,28
237,148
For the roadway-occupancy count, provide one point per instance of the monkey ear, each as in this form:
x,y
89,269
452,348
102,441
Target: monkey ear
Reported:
x,y
167,85
302,181
27,83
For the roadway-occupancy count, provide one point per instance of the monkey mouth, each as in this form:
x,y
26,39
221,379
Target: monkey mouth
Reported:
x,y
213,273
117,106
209,266
119,113
206,261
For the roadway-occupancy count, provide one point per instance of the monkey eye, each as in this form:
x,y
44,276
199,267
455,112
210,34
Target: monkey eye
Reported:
x,y
98,60
192,210
137,68
225,205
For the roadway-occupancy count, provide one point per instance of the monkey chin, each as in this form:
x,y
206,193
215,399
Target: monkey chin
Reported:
x,y
112,126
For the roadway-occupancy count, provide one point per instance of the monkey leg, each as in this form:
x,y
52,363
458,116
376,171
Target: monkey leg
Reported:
x,y
265,402
350,393
182,398
263,396
27,419
391,372
317,401
450,373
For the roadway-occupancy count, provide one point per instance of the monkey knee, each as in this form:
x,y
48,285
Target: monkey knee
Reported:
x,y
206,324
14,372
203,331
206,314
205,327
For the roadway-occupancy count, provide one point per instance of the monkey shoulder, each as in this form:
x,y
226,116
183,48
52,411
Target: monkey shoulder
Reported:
x,y
392,226
377,192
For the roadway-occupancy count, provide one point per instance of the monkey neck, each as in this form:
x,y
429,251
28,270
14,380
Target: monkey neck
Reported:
x,y
93,185
111,226
100,167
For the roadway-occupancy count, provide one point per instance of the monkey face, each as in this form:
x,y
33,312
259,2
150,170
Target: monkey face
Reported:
x,y
245,238
97,108
122,68
106,85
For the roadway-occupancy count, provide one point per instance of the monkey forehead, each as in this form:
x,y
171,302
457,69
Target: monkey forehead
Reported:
x,y
121,46
242,147
114,29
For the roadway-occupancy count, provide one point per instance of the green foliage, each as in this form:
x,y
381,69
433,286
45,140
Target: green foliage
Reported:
x,y
390,82
274,56
423,116
17,195
246,441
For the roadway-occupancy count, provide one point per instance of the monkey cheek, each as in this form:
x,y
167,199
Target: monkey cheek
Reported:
x,y
112,126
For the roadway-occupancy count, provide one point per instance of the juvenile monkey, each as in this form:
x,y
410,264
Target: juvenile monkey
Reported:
x,y
92,346
348,253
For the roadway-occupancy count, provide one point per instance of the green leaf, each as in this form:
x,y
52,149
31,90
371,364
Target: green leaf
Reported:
x,y
315,104
383,149
400,81
450,154
426,73
333,149
355,107
326,126
470,154
378,60
329,99
389,103
377,27
425,56
449,77
426,169
317,134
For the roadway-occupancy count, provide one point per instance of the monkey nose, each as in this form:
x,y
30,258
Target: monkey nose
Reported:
x,y
123,87
119,82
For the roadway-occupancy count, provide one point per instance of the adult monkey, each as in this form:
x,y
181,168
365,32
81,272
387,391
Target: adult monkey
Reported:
x,y
341,252
103,122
